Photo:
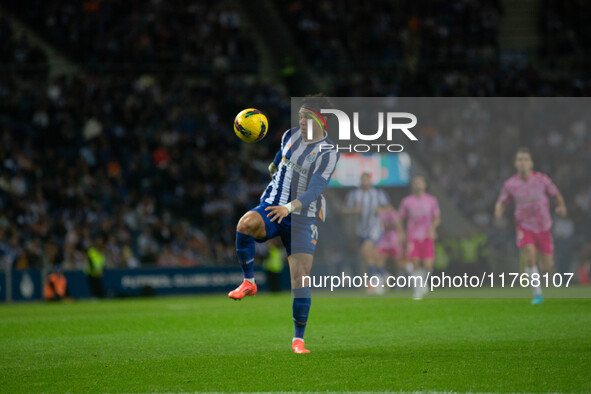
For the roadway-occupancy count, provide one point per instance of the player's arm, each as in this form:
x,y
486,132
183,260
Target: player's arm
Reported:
x,y
553,191
436,220
383,203
402,213
499,209
434,224
318,182
383,208
315,189
400,229
275,163
560,205
502,201
351,206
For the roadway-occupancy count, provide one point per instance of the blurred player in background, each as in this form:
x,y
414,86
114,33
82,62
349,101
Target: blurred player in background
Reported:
x,y
391,243
367,203
529,191
421,212
299,170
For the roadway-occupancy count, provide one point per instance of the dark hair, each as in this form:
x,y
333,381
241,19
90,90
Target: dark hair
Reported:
x,y
316,102
523,149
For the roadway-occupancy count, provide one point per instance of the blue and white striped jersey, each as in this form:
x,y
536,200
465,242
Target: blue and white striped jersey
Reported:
x,y
300,160
368,222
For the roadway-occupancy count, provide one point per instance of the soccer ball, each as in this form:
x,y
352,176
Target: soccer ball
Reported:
x,y
251,125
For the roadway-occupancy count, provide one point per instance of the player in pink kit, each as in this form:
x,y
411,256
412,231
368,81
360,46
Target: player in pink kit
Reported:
x,y
391,243
529,191
421,212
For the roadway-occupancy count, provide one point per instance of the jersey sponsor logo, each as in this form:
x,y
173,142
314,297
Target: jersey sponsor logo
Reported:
x,y
296,167
418,211
530,198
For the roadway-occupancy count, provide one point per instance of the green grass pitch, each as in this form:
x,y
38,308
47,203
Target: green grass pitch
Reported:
x,y
209,343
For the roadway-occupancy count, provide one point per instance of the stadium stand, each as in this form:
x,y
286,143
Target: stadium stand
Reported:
x,y
565,29
131,36
19,56
124,160
431,38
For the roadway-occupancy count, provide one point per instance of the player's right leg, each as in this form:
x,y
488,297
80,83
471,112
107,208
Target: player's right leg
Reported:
x,y
250,227
300,239
427,254
382,258
544,245
418,273
381,261
300,266
546,262
369,255
526,242
545,248
386,248
403,267
416,279
530,254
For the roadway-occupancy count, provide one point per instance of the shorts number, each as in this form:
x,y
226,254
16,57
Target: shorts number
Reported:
x,y
314,232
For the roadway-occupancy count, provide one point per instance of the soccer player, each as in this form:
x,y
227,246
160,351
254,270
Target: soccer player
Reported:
x,y
391,243
367,203
421,212
529,191
288,208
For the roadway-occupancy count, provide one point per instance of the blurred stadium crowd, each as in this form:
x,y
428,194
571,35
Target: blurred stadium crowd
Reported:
x,y
19,56
143,36
439,48
128,164
136,155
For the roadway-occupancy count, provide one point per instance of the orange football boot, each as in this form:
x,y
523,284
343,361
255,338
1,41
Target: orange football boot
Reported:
x,y
245,289
298,346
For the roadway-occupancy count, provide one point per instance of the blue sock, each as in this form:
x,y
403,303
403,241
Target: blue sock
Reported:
x,y
301,308
245,252
372,270
383,272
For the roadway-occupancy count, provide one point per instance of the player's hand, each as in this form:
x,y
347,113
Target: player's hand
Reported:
x,y
277,212
498,213
431,233
272,169
561,210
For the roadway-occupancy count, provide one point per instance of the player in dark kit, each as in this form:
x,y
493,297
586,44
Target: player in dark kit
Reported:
x,y
299,170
